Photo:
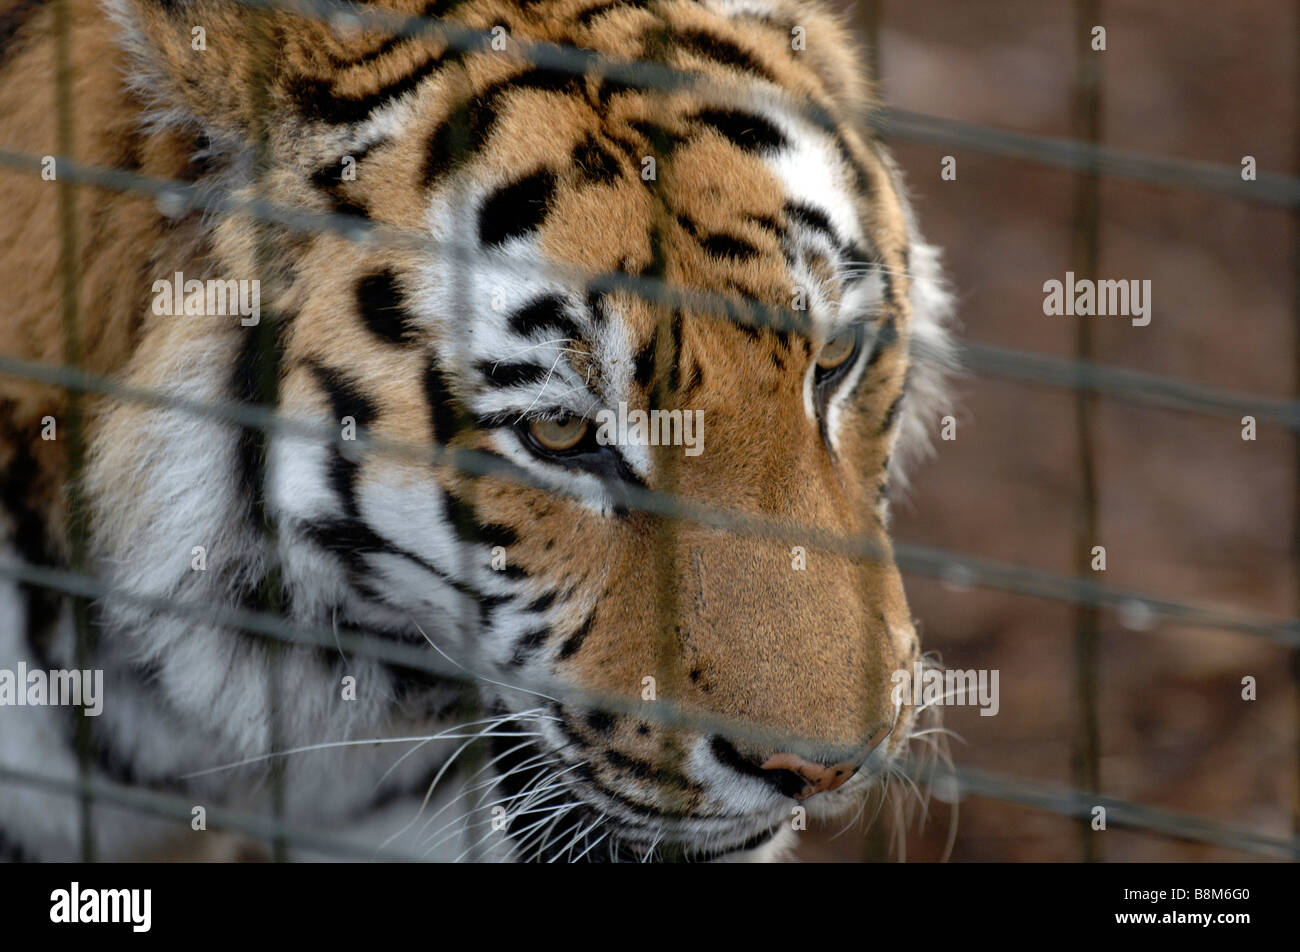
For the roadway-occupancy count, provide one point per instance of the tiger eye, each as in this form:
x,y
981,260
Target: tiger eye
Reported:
x,y
838,349
559,435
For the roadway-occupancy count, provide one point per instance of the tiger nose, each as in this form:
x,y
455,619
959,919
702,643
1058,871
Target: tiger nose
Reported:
x,y
817,778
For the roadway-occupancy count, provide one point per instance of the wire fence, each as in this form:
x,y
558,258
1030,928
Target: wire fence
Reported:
x,y
1142,611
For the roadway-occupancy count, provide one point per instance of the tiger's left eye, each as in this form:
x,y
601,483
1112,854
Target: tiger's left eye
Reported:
x,y
835,353
559,435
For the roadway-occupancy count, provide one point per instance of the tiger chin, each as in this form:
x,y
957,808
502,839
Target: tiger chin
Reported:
x,y
535,207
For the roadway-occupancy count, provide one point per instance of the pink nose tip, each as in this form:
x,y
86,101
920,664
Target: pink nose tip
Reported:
x,y
819,778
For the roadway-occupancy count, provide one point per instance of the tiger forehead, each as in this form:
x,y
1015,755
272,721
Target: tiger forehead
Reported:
x,y
734,196
463,95
699,33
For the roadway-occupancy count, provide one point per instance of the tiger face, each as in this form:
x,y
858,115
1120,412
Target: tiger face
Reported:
x,y
588,252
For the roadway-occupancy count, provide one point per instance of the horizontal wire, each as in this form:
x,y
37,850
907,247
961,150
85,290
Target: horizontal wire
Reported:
x,y
1014,364
417,658
1131,385
959,570
1267,189
572,60
151,802
178,197
967,782
1076,156
1022,365
1065,802
1068,802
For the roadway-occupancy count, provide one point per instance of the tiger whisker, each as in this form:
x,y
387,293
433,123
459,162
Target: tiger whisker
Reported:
x,y
500,684
546,834
329,745
487,784
498,719
594,844
539,786
438,777
577,838
444,832
546,810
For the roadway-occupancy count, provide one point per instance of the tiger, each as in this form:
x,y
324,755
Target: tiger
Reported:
x,y
471,228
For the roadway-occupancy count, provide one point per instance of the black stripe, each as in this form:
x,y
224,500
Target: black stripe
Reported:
x,y
644,770
246,387
891,415
442,406
644,365
528,644
744,129
596,162
542,602
432,9
21,483
467,128
346,400
329,180
660,139
812,218
315,99
545,314
15,16
516,209
885,338
724,52
574,642
465,522
768,224
379,300
729,246
501,374
587,16
350,541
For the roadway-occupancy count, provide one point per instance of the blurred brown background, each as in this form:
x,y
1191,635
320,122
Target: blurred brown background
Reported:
x,y
1185,508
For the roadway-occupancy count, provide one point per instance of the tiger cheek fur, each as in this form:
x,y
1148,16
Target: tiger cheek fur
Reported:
x,y
513,178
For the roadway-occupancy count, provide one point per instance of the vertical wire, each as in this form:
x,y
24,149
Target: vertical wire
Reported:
x,y
462,502
270,593
1295,435
870,16
1086,235
669,680
73,426
1085,256
876,842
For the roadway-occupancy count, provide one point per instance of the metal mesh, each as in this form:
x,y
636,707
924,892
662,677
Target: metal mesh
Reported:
x,y
1080,374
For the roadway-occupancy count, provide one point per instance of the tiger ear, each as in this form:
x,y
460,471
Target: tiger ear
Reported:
x,y
213,64
819,39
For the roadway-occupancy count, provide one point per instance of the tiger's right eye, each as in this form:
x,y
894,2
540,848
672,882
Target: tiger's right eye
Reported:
x,y
559,435
836,357
837,350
